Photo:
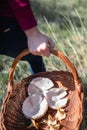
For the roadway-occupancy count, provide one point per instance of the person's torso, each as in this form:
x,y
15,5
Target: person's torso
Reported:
x,y
5,8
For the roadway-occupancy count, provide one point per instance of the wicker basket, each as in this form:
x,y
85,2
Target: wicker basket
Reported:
x,y
12,117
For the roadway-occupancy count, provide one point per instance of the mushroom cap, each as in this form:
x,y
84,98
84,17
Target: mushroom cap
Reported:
x,y
59,92
32,88
56,98
35,106
42,83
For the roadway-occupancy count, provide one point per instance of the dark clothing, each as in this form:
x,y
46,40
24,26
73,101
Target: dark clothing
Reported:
x,y
13,41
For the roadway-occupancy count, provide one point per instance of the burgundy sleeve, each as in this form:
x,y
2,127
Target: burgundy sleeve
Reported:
x,y
23,13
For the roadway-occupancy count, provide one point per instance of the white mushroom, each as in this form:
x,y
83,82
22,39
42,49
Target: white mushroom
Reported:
x,y
34,106
56,98
60,103
32,88
59,92
42,83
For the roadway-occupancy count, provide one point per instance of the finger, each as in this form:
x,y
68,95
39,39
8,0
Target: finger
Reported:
x,y
43,50
34,52
51,43
38,53
47,53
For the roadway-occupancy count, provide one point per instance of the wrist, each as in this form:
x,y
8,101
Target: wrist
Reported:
x,y
32,31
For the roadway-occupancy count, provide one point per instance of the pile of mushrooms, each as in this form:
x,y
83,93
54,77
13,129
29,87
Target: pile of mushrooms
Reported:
x,y
43,94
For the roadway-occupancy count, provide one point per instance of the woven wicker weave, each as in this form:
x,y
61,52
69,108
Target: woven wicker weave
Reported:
x,y
12,117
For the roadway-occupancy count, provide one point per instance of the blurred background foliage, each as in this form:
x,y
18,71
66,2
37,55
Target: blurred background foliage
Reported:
x,y
65,21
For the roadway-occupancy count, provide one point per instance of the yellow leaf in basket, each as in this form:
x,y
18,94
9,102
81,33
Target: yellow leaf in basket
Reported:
x,y
60,115
53,124
36,125
56,127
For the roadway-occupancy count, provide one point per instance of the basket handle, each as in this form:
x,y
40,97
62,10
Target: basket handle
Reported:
x,y
54,52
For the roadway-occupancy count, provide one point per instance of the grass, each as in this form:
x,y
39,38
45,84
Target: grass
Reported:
x,y
68,42
66,25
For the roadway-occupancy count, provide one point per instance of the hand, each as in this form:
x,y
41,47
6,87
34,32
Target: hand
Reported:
x,y
38,43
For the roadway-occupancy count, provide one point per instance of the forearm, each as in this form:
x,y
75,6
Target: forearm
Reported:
x,y
23,13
